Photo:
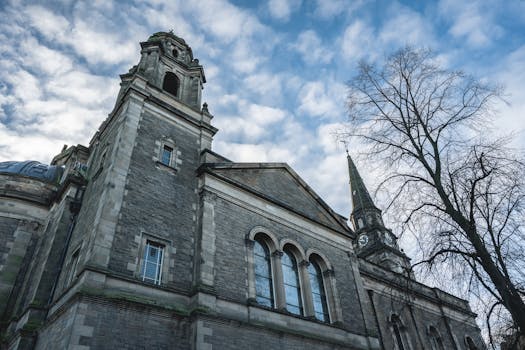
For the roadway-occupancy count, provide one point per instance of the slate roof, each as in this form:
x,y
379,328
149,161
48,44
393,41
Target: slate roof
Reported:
x,y
361,199
278,183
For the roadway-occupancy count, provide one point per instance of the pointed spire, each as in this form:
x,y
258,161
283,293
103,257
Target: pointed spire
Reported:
x,y
360,197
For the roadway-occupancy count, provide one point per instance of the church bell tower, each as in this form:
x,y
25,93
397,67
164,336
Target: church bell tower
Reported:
x,y
375,242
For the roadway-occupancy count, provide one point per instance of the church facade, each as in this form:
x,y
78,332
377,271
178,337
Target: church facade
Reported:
x,y
149,239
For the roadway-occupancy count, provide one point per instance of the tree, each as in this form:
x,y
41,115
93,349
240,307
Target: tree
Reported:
x,y
430,126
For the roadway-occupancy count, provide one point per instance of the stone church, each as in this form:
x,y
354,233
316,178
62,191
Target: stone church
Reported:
x,y
147,239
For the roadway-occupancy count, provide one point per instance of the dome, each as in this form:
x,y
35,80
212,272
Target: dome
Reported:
x,y
33,169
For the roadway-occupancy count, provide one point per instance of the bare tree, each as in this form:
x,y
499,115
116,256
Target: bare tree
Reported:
x,y
431,127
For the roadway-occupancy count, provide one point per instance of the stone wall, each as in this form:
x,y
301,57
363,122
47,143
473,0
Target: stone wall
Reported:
x,y
98,323
160,202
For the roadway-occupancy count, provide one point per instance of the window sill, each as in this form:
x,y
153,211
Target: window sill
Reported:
x,y
167,167
252,302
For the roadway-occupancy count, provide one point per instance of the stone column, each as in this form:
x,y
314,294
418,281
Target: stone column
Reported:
x,y
252,293
308,302
278,285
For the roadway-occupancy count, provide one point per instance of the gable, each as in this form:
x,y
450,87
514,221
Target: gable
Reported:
x,y
281,185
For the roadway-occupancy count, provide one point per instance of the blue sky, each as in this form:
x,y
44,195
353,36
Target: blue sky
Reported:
x,y
276,70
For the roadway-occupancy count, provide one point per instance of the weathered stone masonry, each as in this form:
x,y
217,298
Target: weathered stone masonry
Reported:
x,y
145,239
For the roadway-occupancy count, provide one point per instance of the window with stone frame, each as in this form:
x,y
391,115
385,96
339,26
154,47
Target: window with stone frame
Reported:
x,y
166,155
292,287
318,292
171,83
470,343
151,270
399,333
263,274
435,339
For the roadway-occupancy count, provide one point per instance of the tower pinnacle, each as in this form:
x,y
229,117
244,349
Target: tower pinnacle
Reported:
x,y
364,212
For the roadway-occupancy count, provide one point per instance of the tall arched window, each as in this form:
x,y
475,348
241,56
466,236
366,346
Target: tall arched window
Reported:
x,y
171,83
435,339
470,344
318,292
263,274
397,329
292,288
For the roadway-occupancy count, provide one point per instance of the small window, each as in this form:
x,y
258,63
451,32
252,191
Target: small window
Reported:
x,y
470,344
171,83
292,288
152,265
72,272
167,155
175,53
263,274
318,292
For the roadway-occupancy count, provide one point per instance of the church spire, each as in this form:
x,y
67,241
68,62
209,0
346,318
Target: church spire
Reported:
x,y
375,242
364,212
360,197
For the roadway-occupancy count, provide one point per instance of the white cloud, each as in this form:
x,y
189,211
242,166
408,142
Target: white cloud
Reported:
x,y
327,9
89,40
322,99
282,9
265,85
310,46
510,116
405,27
472,21
251,122
357,40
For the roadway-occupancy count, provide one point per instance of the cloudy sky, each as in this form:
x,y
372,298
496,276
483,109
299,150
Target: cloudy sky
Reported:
x,y
276,69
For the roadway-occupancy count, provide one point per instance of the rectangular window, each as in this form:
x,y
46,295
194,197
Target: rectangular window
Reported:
x,y
152,265
167,153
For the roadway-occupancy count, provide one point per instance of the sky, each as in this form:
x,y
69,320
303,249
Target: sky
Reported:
x,y
276,70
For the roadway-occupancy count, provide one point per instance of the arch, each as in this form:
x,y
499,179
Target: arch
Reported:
x,y
171,83
436,341
291,280
320,258
269,237
295,247
399,334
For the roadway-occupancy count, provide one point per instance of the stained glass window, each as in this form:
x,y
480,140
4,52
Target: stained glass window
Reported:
x,y
318,292
291,284
263,274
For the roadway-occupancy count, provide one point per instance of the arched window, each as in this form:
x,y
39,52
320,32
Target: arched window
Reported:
x,y
318,292
292,289
470,344
435,339
171,83
263,274
398,333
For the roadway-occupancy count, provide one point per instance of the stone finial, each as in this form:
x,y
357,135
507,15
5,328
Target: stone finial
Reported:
x,y
205,108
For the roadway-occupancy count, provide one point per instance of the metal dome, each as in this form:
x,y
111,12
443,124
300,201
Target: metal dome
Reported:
x,y
33,169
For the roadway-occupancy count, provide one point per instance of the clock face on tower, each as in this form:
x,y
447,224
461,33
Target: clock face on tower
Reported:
x,y
362,241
